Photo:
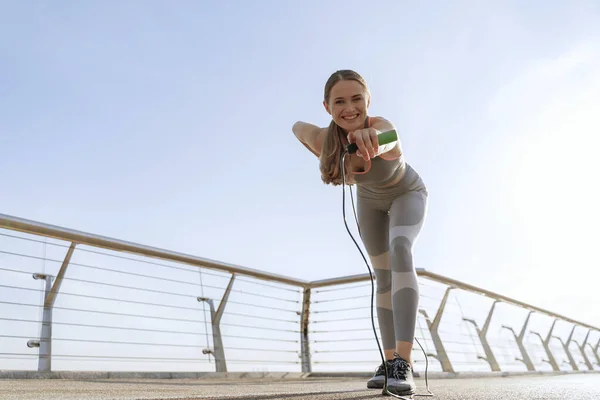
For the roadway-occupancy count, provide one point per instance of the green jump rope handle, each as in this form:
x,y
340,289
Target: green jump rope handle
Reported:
x,y
382,138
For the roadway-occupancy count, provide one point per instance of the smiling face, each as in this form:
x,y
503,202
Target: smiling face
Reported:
x,y
347,101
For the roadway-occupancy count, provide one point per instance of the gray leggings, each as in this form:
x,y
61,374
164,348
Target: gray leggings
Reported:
x,y
390,221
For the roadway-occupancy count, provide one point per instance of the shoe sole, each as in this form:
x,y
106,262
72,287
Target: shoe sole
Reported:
x,y
376,383
409,392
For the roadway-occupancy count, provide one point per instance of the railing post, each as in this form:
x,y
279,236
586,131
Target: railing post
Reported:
x,y
545,342
595,351
519,339
565,346
215,316
442,355
45,341
304,342
581,346
482,333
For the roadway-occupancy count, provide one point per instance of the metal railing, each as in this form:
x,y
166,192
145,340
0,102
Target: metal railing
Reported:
x,y
71,300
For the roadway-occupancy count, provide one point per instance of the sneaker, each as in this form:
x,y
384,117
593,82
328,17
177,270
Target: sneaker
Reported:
x,y
400,380
377,381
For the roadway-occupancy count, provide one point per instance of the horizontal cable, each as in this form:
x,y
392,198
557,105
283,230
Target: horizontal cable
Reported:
x,y
474,362
261,327
188,270
114,255
265,296
268,350
344,351
19,354
106,298
422,295
104,269
19,320
132,343
340,319
153,361
14,337
343,330
146,362
106,312
106,341
340,309
107,284
108,327
152,330
192,346
143,275
357,308
32,240
376,317
416,350
142,302
425,339
261,317
365,285
164,358
110,284
260,338
264,361
131,288
149,316
340,288
340,299
18,271
137,275
341,340
259,306
32,358
271,286
129,358
140,261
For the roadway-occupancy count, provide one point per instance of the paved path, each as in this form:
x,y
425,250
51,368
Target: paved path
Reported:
x,y
571,387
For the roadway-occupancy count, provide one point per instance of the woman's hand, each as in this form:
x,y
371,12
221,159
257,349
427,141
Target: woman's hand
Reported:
x,y
366,141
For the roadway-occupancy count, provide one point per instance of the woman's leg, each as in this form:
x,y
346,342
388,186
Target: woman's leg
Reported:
x,y
374,231
407,215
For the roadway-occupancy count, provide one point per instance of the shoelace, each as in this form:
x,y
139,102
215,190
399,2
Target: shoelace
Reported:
x,y
400,367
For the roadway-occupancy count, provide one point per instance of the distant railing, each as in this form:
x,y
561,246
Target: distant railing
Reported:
x,y
71,300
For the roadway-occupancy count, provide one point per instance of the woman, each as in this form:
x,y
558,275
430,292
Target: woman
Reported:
x,y
391,208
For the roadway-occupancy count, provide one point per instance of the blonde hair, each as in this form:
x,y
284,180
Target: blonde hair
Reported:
x,y
335,141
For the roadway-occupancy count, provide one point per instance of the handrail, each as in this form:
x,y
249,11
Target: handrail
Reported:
x,y
456,284
47,230
79,237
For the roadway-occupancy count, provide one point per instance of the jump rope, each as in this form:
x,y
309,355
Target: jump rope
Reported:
x,y
382,139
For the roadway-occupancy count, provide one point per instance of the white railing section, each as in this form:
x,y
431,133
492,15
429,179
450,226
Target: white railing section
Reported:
x,y
71,300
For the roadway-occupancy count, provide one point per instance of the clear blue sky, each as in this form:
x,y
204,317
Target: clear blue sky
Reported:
x,y
169,124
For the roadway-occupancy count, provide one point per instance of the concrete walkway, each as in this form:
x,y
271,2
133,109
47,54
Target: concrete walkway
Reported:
x,y
547,387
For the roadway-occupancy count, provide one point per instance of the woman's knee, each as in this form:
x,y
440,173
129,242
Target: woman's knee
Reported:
x,y
401,259
383,280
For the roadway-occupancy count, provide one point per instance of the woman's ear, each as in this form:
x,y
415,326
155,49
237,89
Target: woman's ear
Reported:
x,y
326,107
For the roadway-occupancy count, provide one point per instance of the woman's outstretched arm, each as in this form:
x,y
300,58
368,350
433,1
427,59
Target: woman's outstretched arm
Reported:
x,y
311,136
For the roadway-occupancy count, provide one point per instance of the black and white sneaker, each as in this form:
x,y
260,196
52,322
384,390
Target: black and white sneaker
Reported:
x,y
400,380
377,381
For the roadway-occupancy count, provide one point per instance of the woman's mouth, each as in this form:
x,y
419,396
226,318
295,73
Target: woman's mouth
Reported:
x,y
350,117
